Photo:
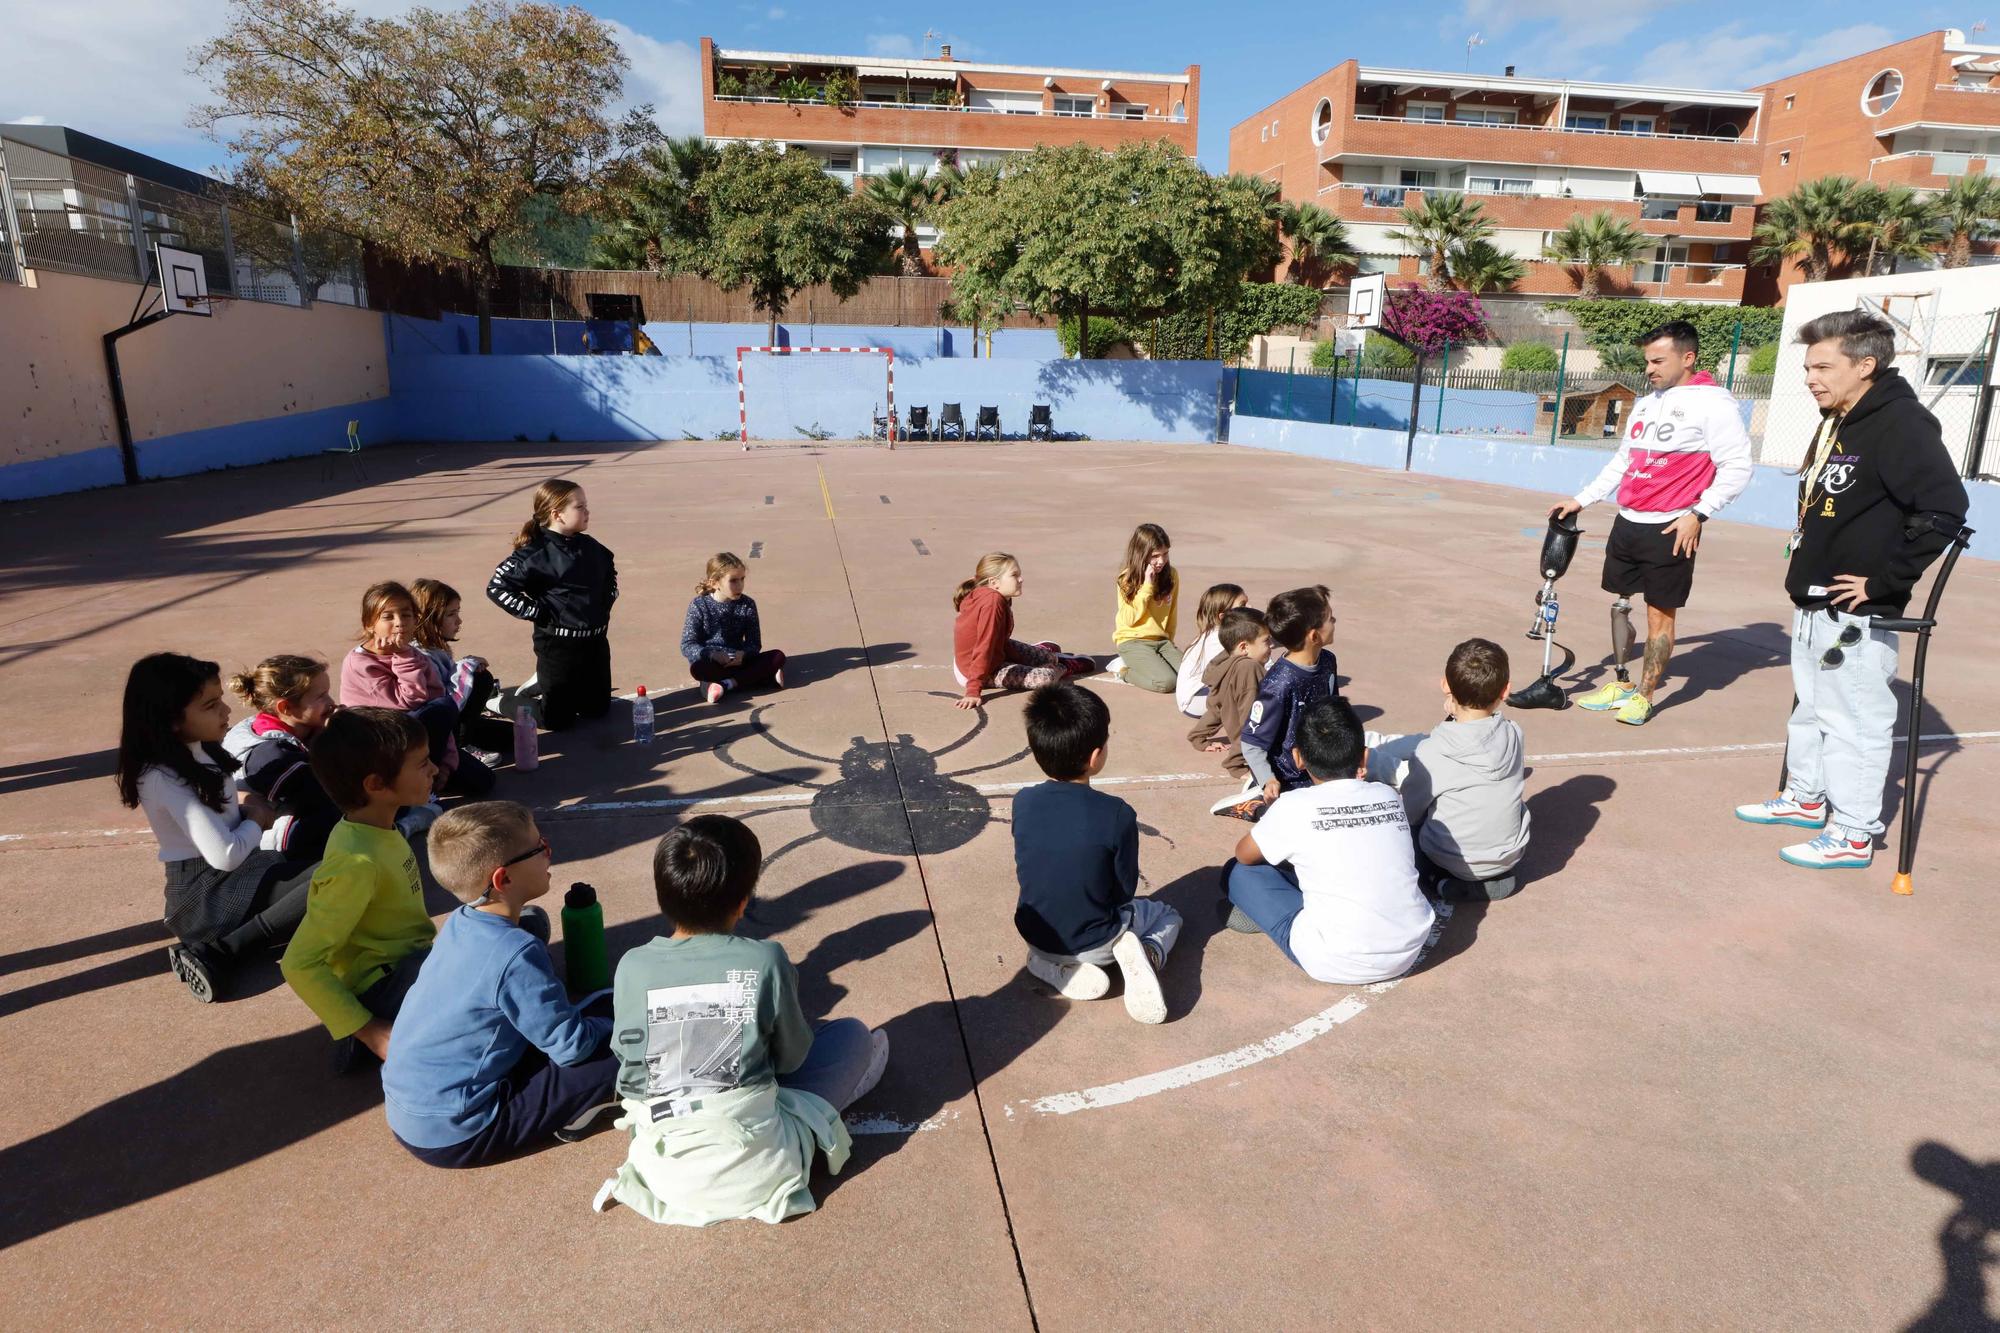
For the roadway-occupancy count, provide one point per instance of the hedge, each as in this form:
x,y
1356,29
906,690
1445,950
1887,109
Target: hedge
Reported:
x,y
1530,356
1764,361
1105,332
1260,307
1611,323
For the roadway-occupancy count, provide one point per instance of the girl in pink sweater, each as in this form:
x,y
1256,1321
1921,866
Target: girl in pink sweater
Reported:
x,y
385,670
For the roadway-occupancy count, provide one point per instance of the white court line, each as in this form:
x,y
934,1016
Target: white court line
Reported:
x,y
888,1124
1256,1052
1745,747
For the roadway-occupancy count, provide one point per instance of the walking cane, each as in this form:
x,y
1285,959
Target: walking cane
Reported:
x,y
1923,625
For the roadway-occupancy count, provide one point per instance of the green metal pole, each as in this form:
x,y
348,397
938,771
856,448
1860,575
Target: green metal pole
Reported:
x,y
1444,378
1735,341
1562,376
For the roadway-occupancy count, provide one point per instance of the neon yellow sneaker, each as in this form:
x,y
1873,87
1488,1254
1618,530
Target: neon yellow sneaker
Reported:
x,y
1607,697
1635,711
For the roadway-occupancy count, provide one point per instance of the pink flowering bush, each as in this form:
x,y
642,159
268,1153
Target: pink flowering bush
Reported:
x,y
1428,320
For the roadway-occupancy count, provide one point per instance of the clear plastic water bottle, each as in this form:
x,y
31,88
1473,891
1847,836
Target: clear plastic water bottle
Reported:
x,y
642,718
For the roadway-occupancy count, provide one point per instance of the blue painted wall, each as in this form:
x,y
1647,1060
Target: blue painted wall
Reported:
x,y
1382,403
453,397
459,335
1770,501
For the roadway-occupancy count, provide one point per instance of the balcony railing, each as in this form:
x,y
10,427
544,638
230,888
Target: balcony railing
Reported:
x,y
861,105
1650,209
1556,129
1967,88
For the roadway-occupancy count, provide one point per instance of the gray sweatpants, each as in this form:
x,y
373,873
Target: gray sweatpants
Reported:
x,y
1842,730
1156,924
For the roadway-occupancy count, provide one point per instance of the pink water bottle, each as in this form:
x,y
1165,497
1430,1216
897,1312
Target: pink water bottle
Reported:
x,y
527,743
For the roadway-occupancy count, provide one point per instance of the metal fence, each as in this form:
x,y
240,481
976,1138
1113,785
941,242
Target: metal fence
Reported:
x,y
70,216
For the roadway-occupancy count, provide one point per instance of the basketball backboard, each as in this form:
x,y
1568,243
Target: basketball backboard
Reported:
x,y
183,281
1367,300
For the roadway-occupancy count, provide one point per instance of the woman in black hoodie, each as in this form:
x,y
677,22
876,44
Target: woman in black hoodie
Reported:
x,y
1878,501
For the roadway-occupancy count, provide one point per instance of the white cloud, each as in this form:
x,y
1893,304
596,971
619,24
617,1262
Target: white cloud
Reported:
x,y
1728,57
1578,23
667,74
892,44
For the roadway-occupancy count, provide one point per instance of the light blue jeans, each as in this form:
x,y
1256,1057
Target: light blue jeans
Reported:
x,y
834,1066
1156,924
1844,725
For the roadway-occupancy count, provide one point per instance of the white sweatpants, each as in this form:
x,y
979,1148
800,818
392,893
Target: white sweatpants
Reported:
x,y
1844,726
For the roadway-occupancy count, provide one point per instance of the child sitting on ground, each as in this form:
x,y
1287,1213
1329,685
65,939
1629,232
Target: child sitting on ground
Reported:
x,y
984,651
228,895
1190,690
1463,790
488,1057
293,697
1230,687
1301,622
721,637
1329,873
365,933
1076,857
727,1090
385,670
468,681
1149,591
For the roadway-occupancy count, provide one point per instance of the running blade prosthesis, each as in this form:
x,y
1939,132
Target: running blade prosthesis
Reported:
x,y
1558,549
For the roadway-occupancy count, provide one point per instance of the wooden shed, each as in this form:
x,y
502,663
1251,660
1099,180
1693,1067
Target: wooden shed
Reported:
x,y
1591,409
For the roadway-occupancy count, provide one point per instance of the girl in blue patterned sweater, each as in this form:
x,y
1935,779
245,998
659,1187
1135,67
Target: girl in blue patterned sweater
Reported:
x,y
721,639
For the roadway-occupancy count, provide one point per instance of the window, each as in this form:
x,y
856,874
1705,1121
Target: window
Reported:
x,y
1965,372
1180,111
1390,264
1975,81
1586,120
1499,185
1418,180
1785,157
1661,267
840,162
1635,124
1137,111
1710,211
1322,120
1660,210
1486,115
1791,100
1726,131
1882,92
1075,106
1423,111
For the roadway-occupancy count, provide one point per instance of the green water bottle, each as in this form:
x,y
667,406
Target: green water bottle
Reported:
x,y
583,941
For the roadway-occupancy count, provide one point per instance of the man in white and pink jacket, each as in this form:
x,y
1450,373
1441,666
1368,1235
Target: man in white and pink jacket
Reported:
x,y
1685,455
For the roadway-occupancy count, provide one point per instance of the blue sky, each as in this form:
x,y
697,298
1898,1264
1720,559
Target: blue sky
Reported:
x,y
117,68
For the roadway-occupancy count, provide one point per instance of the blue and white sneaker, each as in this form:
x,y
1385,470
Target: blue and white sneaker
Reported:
x,y
1835,849
1785,810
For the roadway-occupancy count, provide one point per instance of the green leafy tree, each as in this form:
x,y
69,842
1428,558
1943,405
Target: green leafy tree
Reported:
x,y
1068,230
909,195
649,201
1589,245
1481,266
1325,356
427,133
1318,241
1818,225
1621,359
1380,353
1613,324
1258,307
1966,212
776,223
1897,224
1537,357
1442,224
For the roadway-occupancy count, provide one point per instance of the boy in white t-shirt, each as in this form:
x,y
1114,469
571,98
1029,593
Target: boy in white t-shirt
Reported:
x,y
1329,873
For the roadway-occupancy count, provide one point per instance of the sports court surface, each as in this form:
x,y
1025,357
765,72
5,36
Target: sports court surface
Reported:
x,y
1672,1084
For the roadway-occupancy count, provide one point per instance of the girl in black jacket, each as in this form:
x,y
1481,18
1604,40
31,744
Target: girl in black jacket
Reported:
x,y
564,582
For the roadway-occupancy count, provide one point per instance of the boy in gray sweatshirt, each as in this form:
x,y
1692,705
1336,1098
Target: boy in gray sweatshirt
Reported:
x,y
1464,791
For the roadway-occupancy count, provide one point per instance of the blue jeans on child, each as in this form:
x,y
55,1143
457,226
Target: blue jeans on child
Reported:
x,y
1268,895
836,1064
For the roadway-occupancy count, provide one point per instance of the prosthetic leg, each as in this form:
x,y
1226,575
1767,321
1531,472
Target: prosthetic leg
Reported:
x,y
1623,635
1558,548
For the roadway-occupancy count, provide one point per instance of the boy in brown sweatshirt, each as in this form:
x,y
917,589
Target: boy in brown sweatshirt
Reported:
x,y
1232,687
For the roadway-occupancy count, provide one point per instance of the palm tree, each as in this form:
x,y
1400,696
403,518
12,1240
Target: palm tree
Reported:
x,y
1443,223
908,193
1966,213
1898,222
1817,221
1319,241
651,199
1591,244
1482,265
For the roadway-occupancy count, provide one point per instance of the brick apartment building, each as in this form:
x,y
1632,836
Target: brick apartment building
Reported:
x,y
1679,164
1921,112
918,113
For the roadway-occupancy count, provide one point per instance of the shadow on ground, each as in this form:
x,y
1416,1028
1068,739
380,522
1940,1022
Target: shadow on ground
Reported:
x,y
1965,1240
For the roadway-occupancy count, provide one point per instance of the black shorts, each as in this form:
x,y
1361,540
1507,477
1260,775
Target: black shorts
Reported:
x,y
1639,557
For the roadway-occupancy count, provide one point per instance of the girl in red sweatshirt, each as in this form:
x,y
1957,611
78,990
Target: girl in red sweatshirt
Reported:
x,y
984,651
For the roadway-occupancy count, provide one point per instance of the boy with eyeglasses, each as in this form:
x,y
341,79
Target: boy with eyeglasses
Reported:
x,y
489,1057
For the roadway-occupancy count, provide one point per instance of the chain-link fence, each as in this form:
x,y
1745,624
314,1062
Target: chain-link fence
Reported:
x,y
71,216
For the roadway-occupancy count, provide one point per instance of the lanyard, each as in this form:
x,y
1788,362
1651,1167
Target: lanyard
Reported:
x,y
1829,439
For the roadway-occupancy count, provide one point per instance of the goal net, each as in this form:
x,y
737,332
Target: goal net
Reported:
x,y
816,393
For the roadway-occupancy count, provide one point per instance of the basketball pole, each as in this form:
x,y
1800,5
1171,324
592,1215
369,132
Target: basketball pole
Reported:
x,y
127,455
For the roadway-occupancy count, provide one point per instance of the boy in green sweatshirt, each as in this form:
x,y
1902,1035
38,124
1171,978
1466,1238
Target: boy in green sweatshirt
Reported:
x,y
365,932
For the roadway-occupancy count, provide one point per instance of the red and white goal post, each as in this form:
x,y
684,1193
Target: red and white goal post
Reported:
x,y
889,389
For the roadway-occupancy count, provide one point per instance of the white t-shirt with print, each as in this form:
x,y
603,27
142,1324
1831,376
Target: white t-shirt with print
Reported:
x,y
1364,918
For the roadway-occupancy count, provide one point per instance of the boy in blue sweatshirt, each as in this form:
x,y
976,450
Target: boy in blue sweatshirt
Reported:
x,y
488,1057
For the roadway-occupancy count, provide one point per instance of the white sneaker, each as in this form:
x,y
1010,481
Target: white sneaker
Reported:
x,y
714,692
878,1060
1835,849
1143,999
1115,668
1235,798
1785,810
1072,981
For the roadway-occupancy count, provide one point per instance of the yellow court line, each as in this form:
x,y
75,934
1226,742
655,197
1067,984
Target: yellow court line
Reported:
x,y
824,494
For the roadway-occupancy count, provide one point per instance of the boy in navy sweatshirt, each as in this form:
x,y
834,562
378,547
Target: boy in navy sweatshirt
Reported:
x,y
488,1057
1076,853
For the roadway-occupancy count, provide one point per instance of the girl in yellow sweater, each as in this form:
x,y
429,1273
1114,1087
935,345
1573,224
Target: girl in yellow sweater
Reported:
x,y
1148,591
